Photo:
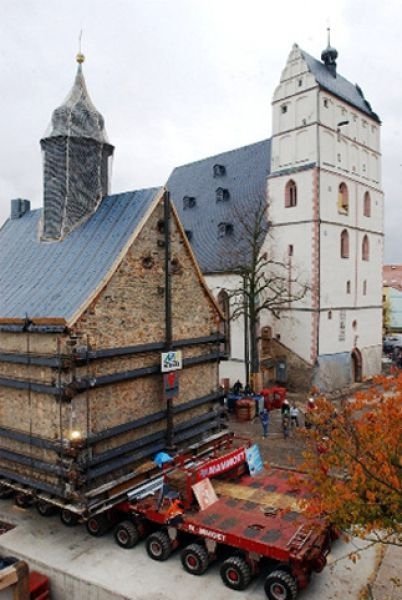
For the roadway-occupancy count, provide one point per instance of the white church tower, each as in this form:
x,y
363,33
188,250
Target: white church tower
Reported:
x,y
326,208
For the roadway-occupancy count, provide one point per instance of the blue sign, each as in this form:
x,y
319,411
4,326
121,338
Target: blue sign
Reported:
x,y
254,460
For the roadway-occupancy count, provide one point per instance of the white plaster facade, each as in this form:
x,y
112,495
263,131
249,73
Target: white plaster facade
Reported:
x,y
321,142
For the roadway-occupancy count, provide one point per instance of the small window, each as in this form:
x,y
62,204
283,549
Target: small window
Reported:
x,y
348,287
343,199
219,170
290,194
365,288
354,324
325,102
189,202
344,244
339,157
365,248
329,315
222,194
225,229
290,250
367,205
300,82
284,108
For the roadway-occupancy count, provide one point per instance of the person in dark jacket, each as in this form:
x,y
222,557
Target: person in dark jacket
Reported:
x,y
264,418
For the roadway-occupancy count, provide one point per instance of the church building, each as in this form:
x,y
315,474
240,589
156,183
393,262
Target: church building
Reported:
x,y
99,295
320,175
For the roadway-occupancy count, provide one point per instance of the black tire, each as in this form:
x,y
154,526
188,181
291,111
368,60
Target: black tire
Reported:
x,y
235,573
158,546
68,518
194,559
126,534
22,500
280,585
98,525
5,492
45,509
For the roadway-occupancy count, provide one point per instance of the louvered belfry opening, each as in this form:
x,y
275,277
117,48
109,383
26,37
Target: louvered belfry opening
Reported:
x,y
77,157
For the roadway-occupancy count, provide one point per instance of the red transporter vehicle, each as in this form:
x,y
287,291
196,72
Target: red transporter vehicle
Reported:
x,y
252,523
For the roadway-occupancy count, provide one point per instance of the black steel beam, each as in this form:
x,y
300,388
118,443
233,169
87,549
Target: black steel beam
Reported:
x,y
149,439
153,418
20,384
82,356
39,465
126,460
33,483
32,359
21,328
25,438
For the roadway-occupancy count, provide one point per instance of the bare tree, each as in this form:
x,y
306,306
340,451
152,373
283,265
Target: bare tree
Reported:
x,y
265,283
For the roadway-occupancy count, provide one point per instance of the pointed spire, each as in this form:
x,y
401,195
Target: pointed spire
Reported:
x,y
329,55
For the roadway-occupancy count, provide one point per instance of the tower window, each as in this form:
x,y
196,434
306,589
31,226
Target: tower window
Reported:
x,y
325,102
348,287
290,194
219,170
300,82
189,202
365,287
284,108
343,199
365,248
222,194
344,244
225,229
290,250
367,205
329,315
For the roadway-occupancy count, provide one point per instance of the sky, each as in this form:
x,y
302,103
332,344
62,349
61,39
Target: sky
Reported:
x,y
180,80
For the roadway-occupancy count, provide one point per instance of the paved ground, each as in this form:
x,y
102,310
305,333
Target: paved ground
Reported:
x,y
109,572
85,568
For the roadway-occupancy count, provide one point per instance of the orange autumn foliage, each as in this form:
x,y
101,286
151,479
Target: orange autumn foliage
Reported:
x,y
354,459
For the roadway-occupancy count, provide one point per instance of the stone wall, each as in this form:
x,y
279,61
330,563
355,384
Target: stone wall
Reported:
x,y
128,311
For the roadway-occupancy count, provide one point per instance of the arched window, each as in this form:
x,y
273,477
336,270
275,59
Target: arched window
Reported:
x,y
367,205
224,305
290,194
344,244
343,199
365,248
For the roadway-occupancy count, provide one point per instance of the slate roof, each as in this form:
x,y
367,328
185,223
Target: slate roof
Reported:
x,y
245,178
339,86
55,279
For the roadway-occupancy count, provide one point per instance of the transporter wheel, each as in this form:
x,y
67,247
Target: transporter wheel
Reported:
x,y
68,518
5,492
235,573
194,559
97,525
280,585
22,500
158,546
126,534
45,509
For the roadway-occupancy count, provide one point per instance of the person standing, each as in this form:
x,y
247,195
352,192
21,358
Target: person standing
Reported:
x,y
294,415
264,418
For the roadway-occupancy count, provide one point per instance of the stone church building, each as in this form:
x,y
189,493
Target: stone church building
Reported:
x,y
93,289
320,175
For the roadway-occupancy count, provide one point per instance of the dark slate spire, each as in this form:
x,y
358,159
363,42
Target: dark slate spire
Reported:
x,y
76,161
329,56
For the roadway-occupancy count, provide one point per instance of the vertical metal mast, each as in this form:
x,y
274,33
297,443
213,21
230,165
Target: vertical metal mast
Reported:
x,y
168,312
